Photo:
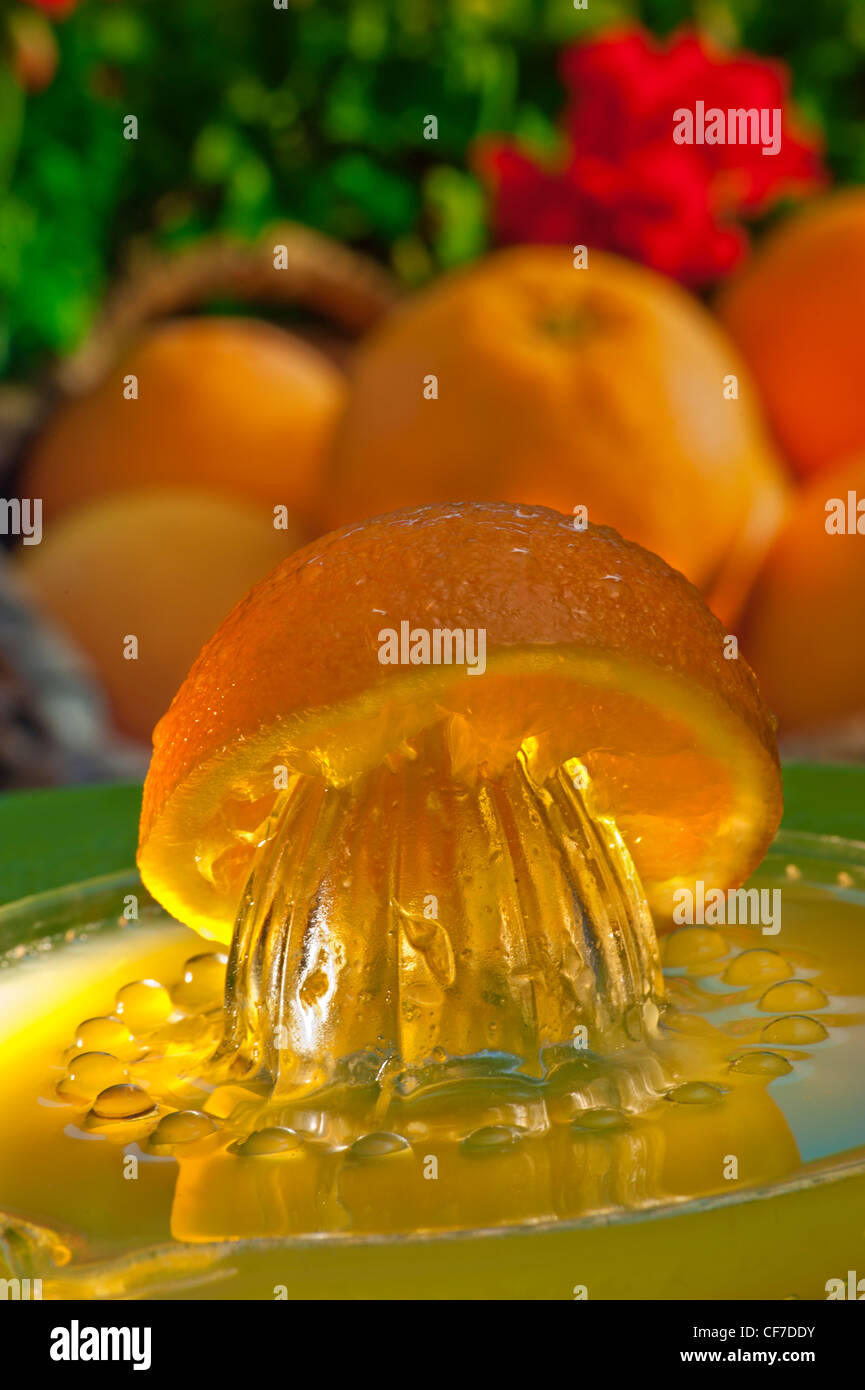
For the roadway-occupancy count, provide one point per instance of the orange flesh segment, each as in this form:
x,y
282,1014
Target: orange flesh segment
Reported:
x,y
694,794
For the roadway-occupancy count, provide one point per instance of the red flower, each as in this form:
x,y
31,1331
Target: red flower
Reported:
x,y
624,184
56,9
34,50
651,206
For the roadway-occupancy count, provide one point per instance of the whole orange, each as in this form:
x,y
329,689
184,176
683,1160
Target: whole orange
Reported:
x,y
802,627
524,379
236,405
796,313
163,566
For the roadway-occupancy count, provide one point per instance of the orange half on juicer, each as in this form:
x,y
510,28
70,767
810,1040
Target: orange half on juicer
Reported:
x,y
430,777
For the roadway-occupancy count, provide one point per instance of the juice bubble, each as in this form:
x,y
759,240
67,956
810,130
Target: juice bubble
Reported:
x,y
762,1064
756,967
794,996
795,1028
123,1102
183,1127
695,1093
378,1145
314,986
143,1004
273,1140
104,1035
89,1073
492,1139
693,946
691,1025
600,1120
203,984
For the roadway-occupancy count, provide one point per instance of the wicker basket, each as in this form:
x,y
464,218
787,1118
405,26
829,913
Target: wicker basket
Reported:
x,y
54,726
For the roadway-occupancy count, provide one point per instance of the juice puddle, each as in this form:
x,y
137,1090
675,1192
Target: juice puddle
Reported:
x,y
742,1126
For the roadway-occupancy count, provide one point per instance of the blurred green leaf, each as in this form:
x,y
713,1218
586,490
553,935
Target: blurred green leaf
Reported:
x,y
122,35
388,201
51,838
825,799
458,205
11,117
216,152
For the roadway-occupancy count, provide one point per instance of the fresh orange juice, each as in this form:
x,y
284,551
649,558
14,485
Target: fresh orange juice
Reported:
x,y
721,1156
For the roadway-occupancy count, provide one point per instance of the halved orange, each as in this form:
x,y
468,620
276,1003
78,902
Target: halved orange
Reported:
x,y
595,649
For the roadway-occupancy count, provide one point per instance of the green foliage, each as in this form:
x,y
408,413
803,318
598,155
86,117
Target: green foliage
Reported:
x,y
315,112
51,838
